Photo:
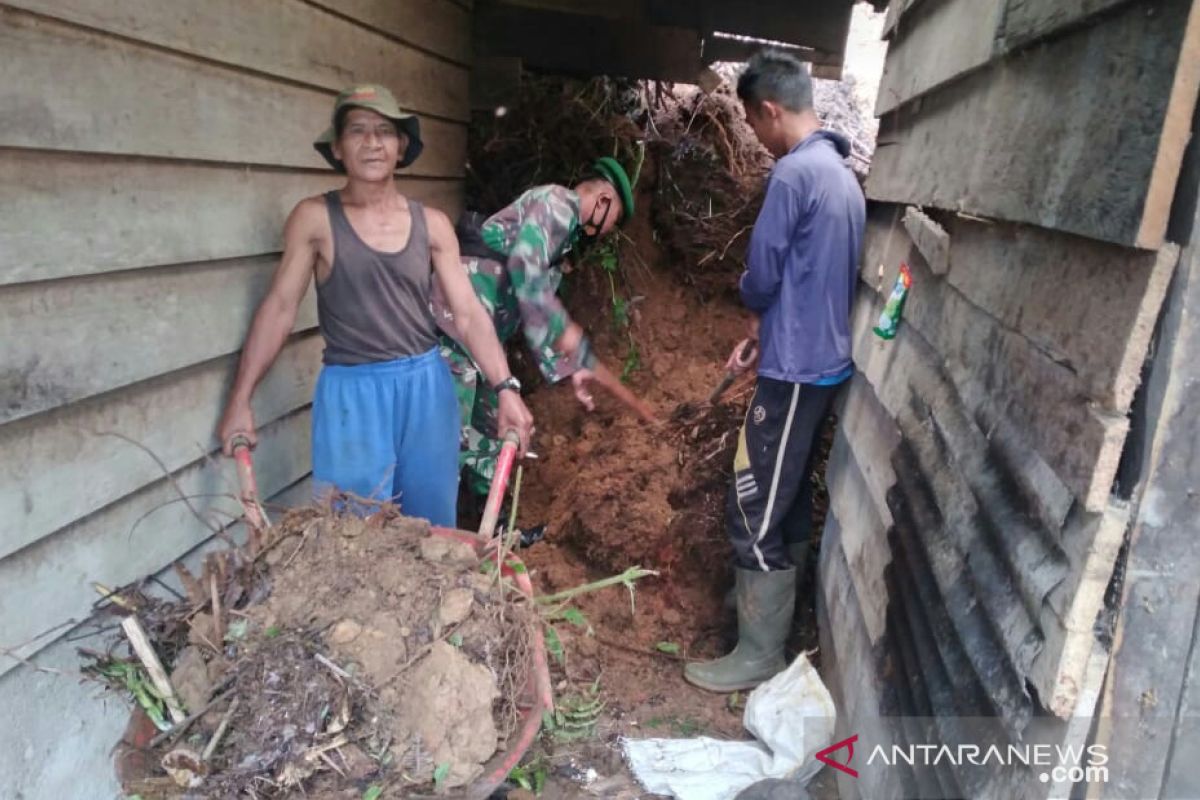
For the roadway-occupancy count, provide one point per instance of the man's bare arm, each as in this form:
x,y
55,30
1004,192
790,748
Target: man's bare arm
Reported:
x,y
274,319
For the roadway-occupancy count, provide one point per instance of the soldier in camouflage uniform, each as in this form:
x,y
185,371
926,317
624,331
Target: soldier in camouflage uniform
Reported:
x,y
516,274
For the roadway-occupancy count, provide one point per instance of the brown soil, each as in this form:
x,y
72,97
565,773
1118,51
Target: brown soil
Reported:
x,y
381,656
616,493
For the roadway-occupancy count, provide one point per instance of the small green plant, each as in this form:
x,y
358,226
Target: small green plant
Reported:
x,y
681,727
530,777
633,361
576,715
440,773
554,645
670,648
373,792
133,679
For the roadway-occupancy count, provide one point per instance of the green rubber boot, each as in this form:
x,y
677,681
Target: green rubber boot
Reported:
x,y
765,601
799,554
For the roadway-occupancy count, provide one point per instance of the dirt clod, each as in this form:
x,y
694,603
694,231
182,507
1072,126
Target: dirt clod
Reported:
x,y
378,654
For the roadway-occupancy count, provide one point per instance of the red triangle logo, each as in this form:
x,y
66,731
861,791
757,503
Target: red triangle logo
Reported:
x,y
845,767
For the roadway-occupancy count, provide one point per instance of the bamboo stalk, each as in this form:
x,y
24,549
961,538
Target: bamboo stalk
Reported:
x,y
142,648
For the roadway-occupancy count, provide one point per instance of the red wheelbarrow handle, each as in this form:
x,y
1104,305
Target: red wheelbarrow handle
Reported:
x,y
504,465
245,471
540,695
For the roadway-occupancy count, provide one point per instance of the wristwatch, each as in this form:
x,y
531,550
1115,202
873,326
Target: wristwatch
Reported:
x,y
508,383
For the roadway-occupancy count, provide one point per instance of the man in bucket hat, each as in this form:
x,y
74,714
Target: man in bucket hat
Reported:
x,y
514,261
384,419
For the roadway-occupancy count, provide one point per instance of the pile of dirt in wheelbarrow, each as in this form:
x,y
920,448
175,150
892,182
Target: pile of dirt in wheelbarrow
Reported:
x,y
351,653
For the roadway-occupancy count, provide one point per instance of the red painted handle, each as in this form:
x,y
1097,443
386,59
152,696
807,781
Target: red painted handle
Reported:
x,y
249,486
504,465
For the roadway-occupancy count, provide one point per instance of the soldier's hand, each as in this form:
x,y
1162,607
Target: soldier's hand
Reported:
x,y
579,382
514,415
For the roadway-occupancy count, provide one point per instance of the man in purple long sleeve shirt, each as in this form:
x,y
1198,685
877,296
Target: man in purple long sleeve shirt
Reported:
x,y
799,283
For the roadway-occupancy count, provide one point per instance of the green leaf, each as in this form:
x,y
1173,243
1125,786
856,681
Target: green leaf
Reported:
x,y
455,640
237,630
439,775
539,779
273,631
373,792
620,312
575,617
667,647
518,567
554,645
548,721
520,776
487,567
633,361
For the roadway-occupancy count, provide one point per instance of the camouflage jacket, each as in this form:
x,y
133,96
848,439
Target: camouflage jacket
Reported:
x,y
535,232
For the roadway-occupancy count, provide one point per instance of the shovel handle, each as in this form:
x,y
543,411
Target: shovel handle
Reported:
x,y
504,465
744,355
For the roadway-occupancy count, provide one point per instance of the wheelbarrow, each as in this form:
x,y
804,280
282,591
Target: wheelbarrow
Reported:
x,y
537,697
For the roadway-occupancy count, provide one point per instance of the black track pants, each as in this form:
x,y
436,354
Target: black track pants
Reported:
x,y
770,502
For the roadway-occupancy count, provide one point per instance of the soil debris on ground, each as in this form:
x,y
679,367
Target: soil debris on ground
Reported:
x,y
377,655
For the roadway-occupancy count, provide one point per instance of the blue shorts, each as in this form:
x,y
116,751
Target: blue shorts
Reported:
x,y
389,430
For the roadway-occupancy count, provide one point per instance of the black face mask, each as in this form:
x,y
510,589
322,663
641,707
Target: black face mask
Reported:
x,y
593,226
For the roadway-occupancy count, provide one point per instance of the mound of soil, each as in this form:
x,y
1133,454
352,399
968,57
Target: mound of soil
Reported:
x,y
381,655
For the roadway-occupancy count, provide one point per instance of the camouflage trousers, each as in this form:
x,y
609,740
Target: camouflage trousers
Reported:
x,y
478,408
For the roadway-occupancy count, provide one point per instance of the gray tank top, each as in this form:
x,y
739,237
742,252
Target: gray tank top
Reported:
x,y
375,305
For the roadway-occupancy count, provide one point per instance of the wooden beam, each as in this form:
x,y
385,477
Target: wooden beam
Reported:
x,y
1087,305
627,10
820,25
575,44
1091,542
172,417
896,9
940,42
968,146
930,238
49,582
718,48
305,43
68,340
130,213
116,97
1159,610
1027,21
1000,374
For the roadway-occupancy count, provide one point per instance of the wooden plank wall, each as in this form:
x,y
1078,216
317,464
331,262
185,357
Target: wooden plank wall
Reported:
x,y
971,481
149,153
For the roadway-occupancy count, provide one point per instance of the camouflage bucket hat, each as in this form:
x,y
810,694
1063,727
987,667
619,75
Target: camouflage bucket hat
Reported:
x,y
378,99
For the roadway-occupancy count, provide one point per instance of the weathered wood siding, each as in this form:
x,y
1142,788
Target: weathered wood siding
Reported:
x,y
149,154
975,525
